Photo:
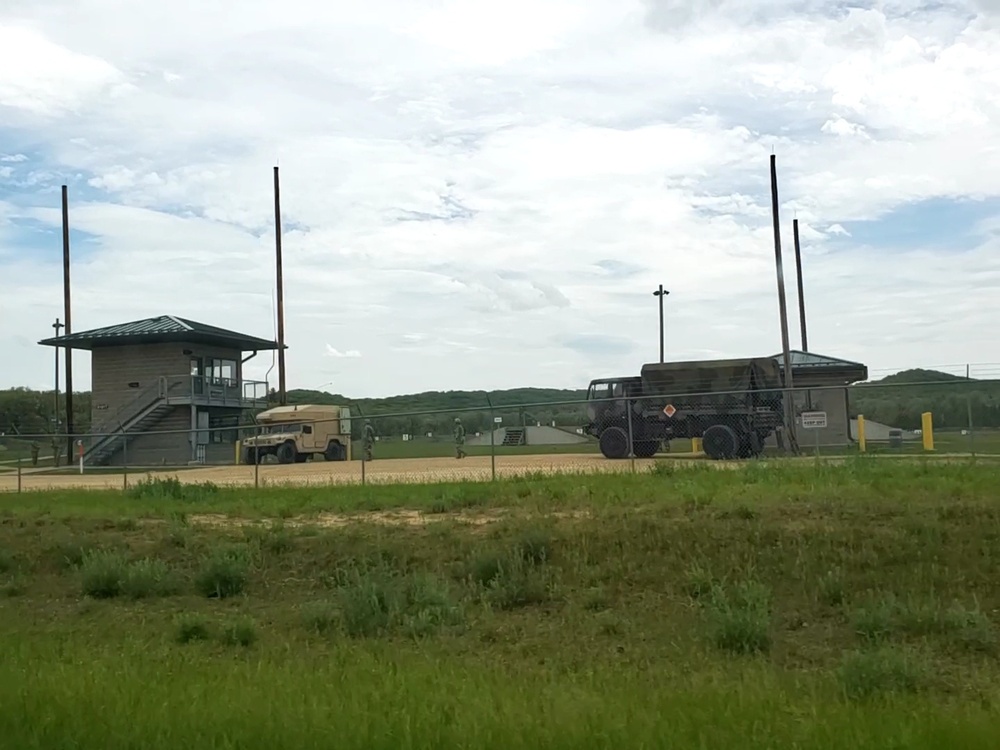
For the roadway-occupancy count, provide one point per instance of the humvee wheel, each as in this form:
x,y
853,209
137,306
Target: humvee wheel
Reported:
x,y
614,443
720,441
287,453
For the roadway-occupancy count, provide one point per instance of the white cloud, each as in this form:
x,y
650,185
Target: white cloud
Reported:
x,y
486,197
350,353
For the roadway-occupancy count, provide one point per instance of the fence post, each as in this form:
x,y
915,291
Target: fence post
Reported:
x,y
861,433
968,407
493,449
631,446
256,459
18,475
972,434
124,460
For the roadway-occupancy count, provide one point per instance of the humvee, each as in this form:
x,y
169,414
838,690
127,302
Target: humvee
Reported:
x,y
294,433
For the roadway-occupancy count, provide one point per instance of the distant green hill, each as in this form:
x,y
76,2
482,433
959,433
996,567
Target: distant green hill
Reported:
x,y
900,400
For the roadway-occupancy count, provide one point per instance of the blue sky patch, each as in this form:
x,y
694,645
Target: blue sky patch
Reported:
x,y
936,223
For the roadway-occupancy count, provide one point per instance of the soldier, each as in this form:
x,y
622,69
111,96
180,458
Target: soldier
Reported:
x,y
459,438
368,439
34,452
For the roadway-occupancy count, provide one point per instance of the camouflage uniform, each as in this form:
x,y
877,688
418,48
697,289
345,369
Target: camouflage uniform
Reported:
x,y
34,452
459,438
368,439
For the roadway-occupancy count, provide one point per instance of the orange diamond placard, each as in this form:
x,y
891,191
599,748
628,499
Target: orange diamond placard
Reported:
x,y
669,410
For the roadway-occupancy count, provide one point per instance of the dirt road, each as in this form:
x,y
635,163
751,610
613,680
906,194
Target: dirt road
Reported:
x,y
393,470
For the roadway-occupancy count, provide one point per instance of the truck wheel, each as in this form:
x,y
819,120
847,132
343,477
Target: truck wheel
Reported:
x,y
334,452
645,448
614,443
720,441
287,453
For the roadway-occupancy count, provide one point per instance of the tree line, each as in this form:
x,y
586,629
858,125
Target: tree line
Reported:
x,y
898,400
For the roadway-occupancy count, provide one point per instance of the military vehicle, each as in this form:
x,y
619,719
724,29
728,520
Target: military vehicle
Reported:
x,y
733,405
294,433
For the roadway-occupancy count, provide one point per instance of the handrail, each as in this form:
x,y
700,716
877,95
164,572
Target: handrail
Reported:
x,y
128,410
162,388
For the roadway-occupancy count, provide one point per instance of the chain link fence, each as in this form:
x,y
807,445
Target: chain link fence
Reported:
x,y
618,427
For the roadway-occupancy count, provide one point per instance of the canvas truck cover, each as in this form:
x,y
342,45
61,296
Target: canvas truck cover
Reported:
x,y
719,382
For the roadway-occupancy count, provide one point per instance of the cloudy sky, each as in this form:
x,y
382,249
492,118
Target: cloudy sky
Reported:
x,y
485,195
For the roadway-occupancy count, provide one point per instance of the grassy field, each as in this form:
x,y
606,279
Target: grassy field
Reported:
x,y
789,606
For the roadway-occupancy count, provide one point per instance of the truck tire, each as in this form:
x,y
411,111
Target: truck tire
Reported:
x,y
720,441
645,448
287,453
334,452
614,443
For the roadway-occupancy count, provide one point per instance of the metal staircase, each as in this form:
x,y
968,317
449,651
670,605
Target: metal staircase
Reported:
x,y
514,436
137,416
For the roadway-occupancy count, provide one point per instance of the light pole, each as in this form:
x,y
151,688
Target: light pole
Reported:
x,y
661,293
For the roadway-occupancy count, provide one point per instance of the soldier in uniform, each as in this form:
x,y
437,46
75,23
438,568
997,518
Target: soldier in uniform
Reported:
x,y
459,438
368,439
34,452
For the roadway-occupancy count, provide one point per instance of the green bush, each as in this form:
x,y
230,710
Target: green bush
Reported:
x,y
148,578
224,573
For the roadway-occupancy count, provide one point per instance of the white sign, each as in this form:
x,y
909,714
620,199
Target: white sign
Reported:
x,y
497,420
813,420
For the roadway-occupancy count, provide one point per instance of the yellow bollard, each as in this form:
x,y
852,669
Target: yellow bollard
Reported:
x,y
696,445
927,425
239,444
861,433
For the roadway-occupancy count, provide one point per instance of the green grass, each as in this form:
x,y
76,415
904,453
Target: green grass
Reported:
x,y
772,606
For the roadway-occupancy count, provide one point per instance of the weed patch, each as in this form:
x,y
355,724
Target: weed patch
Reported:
x,y
866,674
739,618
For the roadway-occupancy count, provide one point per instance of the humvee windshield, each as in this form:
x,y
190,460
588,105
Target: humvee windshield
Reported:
x,y
281,427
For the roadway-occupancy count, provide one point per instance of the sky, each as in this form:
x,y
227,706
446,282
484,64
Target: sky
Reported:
x,y
485,195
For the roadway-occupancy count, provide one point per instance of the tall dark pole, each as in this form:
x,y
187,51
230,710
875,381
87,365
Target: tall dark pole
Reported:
x,y
798,274
68,326
661,294
783,311
281,293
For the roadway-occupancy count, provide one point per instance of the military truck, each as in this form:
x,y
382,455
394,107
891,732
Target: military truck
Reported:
x,y
294,433
733,405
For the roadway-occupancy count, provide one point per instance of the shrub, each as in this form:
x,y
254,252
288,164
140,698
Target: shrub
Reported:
x,y
102,573
875,620
518,583
740,618
147,578
535,546
240,633
106,574
864,674
377,601
831,589
170,488
192,628
320,617
224,573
